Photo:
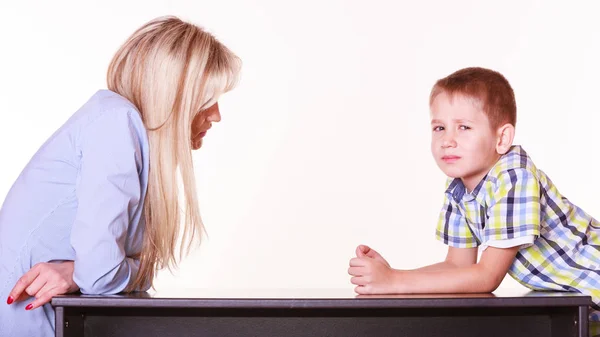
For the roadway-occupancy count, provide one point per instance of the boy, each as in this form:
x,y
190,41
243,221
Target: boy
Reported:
x,y
495,198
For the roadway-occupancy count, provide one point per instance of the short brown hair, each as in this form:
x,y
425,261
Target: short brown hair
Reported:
x,y
488,86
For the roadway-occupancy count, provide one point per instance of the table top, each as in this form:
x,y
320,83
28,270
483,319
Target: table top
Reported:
x,y
318,299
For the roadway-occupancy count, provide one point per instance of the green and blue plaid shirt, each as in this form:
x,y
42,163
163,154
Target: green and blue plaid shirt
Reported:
x,y
515,200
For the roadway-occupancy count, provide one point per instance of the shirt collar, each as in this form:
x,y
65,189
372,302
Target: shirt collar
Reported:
x,y
457,190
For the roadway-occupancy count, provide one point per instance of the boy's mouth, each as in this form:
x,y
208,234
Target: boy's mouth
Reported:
x,y
450,159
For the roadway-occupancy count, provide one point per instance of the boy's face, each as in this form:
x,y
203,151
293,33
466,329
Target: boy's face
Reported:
x,y
462,141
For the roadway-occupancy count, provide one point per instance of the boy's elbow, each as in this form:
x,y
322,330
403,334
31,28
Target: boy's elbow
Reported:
x,y
490,286
490,282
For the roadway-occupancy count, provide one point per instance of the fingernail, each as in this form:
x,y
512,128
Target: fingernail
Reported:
x,y
9,300
29,306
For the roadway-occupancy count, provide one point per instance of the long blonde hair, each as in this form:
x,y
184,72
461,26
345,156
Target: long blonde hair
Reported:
x,y
170,70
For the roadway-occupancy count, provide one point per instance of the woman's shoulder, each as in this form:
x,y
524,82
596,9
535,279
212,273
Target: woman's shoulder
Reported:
x,y
108,122
109,125
105,113
108,104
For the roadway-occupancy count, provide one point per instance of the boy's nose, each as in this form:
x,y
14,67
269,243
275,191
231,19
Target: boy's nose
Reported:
x,y
448,141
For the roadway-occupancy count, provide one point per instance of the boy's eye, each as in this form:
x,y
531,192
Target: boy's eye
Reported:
x,y
438,128
464,127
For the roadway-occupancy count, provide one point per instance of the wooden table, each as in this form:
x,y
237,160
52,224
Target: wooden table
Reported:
x,y
300,313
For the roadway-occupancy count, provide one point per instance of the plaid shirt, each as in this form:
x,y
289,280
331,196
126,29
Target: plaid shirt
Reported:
x,y
514,200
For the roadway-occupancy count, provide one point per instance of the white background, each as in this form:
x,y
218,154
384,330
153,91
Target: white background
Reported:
x,y
325,142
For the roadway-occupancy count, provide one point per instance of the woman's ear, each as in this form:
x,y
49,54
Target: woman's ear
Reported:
x,y
505,137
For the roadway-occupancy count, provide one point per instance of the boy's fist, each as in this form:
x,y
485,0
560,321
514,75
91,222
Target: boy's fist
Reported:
x,y
371,273
364,250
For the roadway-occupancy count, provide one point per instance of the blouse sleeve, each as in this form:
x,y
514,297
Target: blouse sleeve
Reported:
x,y
108,192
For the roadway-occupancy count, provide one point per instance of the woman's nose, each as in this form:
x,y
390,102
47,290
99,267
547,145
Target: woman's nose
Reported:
x,y
215,114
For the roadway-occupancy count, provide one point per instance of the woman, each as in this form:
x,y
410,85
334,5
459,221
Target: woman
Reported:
x,y
97,209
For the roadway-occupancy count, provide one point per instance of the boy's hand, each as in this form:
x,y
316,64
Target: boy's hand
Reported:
x,y
44,281
371,273
364,250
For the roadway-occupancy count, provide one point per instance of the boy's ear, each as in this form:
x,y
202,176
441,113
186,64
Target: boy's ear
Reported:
x,y
505,136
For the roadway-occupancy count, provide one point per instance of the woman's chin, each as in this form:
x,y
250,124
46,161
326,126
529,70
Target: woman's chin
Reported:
x,y
197,144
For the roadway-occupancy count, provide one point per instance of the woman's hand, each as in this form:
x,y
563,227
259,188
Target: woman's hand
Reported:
x,y
44,281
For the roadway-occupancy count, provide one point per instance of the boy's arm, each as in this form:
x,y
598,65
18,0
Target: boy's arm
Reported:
x,y
456,257
481,277
373,277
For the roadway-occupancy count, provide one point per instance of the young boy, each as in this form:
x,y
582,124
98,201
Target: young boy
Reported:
x,y
495,198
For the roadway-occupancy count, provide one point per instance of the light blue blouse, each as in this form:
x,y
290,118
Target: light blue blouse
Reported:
x,y
80,198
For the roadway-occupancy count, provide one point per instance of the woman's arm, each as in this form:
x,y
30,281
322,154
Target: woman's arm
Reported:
x,y
108,193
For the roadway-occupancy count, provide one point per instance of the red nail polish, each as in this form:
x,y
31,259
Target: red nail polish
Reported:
x,y
9,300
29,306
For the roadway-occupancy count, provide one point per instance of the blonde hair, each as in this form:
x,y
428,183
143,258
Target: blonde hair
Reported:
x,y
170,70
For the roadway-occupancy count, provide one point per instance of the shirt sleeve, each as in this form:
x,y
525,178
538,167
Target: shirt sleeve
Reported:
x,y
521,242
452,228
514,207
108,192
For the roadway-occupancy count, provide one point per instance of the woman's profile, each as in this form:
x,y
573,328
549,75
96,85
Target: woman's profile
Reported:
x,y
98,208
